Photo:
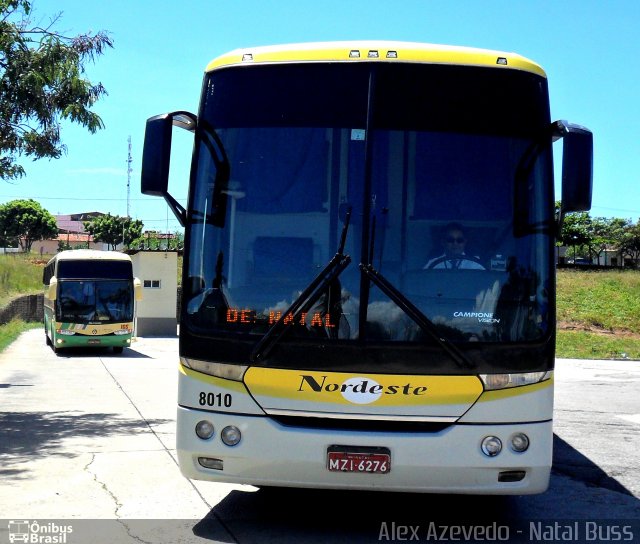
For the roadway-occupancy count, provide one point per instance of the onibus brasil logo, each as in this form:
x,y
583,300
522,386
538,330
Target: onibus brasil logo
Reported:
x,y
38,533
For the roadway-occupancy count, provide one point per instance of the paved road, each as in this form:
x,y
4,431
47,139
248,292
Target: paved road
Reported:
x,y
87,440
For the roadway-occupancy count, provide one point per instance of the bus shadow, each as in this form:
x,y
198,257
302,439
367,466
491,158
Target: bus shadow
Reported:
x,y
128,353
312,515
568,461
27,436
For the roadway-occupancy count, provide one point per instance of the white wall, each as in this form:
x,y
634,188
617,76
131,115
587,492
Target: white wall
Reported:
x,y
156,312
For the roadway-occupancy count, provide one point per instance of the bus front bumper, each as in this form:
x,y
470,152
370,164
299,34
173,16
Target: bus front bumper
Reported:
x,y
84,341
448,461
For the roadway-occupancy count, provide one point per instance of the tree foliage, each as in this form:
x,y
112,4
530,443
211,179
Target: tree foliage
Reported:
x,y
590,236
630,241
26,221
576,229
42,82
114,230
155,240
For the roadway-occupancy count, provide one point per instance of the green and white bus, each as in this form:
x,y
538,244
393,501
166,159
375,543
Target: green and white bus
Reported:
x,y
317,348
89,299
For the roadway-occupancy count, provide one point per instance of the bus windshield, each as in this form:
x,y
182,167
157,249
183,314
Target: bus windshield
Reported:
x,y
440,178
106,301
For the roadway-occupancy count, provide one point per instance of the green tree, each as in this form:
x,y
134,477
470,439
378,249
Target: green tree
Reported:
x,y
603,232
114,230
630,242
26,221
155,240
576,232
617,228
42,82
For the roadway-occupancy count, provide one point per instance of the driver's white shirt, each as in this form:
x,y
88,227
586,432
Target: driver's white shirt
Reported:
x,y
454,262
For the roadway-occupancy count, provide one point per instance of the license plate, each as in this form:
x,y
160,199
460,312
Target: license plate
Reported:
x,y
365,460
93,342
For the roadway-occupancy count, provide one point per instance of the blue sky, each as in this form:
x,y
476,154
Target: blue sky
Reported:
x,y
589,49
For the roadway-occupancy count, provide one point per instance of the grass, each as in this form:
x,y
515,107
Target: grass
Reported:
x,y
608,300
588,345
598,314
10,331
19,274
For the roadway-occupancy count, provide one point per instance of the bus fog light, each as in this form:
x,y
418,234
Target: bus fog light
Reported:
x,y
512,475
210,462
204,429
519,442
231,435
491,446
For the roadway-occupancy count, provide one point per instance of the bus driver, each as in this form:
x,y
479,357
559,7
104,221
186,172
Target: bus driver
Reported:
x,y
454,256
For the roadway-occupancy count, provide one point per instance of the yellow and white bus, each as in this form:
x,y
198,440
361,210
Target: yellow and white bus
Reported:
x,y
89,299
317,346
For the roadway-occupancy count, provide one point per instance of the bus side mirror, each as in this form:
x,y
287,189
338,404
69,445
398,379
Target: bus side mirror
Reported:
x,y
52,289
137,289
577,166
156,156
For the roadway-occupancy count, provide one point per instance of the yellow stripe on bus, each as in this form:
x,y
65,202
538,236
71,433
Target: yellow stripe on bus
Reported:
x,y
372,389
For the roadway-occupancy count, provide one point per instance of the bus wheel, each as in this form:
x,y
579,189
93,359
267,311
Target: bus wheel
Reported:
x,y
118,349
52,344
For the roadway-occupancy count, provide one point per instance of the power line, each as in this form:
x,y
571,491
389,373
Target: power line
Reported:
x,y
614,209
149,199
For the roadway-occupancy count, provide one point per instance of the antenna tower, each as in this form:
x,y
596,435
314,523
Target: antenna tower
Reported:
x,y
129,170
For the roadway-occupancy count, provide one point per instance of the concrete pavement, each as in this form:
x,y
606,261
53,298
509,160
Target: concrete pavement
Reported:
x,y
90,435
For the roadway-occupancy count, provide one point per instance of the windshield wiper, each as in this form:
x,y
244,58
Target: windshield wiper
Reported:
x,y
415,314
306,299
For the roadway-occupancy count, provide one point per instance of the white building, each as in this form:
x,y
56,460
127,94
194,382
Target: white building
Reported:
x,y
158,273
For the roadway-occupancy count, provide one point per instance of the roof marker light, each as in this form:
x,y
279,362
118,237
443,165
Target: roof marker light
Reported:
x,y
373,54
392,54
354,54
502,61
247,57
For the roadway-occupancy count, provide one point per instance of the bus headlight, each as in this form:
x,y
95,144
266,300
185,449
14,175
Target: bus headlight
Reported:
x,y
492,382
121,332
231,435
519,442
204,429
219,370
65,332
491,446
